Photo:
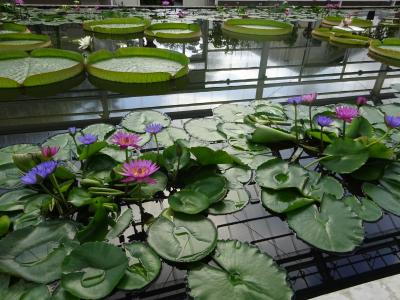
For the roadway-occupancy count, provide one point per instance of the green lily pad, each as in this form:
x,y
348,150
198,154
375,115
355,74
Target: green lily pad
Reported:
x,y
237,176
235,200
38,292
268,135
206,156
136,121
382,197
359,127
333,227
36,253
323,185
67,148
214,187
204,129
144,266
170,135
15,200
93,270
182,238
345,156
121,225
235,130
277,174
6,153
232,112
188,201
282,201
242,272
100,130
10,177
364,208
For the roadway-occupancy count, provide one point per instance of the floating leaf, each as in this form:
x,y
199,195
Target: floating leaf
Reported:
x,y
206,156
93,270
39,292
364,208
237,176
204,129
189,202
345,156
234,201
359,127
281,201
15,200
170,135
268,135
214,187
182,238
277,174
382,197
121,225
242,272
333,227
144,267
136,121
6,153
100,130
235,130
36,253
67,148
10,177
232,112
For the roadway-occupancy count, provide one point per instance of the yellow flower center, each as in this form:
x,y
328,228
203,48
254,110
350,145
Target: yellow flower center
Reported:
x,y
140,172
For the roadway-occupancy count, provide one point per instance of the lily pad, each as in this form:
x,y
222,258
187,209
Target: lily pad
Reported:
x,y
282,201
364,208
382,197
332,227
345,156
277,174
235,200
169,135
36,253
242,272
182,238
233,112
235,130
67,148
144,266
237,176
100,130
121,225
93,270
188,201
136,121
6,153
204,129
15,200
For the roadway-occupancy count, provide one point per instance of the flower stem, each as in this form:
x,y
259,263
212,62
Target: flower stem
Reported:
x,y
344,129
56,185
59,208
322,141
158,146
126,155
316,161
295,124
310,116
380,139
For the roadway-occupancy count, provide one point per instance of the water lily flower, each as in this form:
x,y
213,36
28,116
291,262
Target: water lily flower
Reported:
x,y
42,170
85,42
392,121
19,2
324,121
72,130
87,139
295,100
309,98
346,113
361,100
125,140
50,151
153,128
139,171
165,3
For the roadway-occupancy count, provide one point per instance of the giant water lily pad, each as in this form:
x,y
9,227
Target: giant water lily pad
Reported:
x,y
144,267
41,67
242,272
257,27
93,270
23,41
173,31
332,227
345,156
277,174
182,238
36,253
137,120
204,129
117,25
138,65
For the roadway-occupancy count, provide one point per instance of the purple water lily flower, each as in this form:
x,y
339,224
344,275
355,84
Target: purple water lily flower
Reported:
x,y
165,3
324,121
295,100
72,130
392,121
153,128
88,139
346,113
42,170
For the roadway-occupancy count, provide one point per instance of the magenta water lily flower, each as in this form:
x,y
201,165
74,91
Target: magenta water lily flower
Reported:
x,y
165,3
153,128
392,121
125,140
309,98
88,139
139,171
361,101
346,113
19,2
42,171
50,151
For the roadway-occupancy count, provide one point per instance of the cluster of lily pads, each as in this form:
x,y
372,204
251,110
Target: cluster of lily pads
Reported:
x,y
68,201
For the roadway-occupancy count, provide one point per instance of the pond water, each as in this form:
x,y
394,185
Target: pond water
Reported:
x,y
222,70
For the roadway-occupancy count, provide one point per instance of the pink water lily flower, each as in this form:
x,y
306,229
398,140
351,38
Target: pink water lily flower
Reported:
x,y
125,140
346,113
139,171
309,98
50,151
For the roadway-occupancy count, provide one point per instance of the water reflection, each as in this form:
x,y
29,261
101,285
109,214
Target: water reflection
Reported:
x,y
223,69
